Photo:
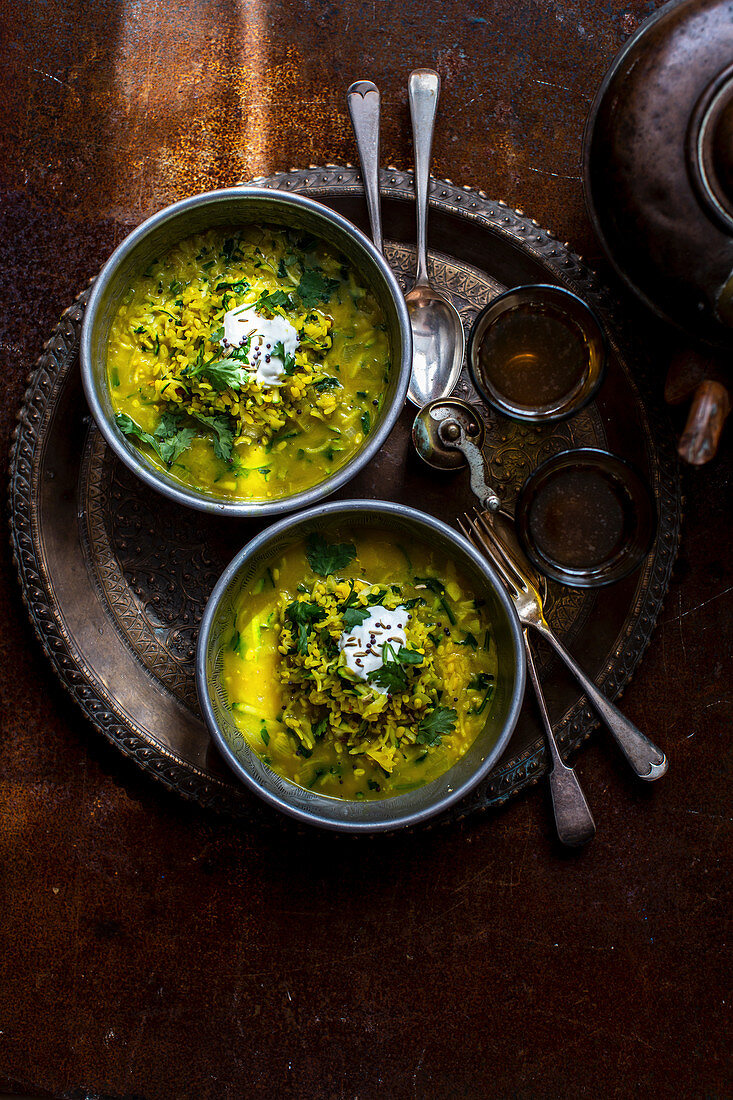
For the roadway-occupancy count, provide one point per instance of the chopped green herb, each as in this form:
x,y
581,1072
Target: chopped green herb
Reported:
x,y
355,616
470,641
366,422
325,558
270,302
168,441
441,721
409,656
326,383
223,434
265,735
288,361
315,287
320,727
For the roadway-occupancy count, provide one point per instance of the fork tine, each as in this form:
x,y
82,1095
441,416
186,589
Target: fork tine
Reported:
x,y
476,536
501,550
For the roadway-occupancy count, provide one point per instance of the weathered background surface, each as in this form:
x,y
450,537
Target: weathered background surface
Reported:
x,y
147,949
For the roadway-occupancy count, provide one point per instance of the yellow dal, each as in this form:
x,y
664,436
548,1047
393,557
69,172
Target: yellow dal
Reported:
x,y
294,436
261,704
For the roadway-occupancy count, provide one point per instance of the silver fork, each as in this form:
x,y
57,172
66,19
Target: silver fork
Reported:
x,y
573,818
648,761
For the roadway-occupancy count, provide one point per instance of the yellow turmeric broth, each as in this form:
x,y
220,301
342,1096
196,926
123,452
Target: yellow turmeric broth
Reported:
x,y
275,409
294,674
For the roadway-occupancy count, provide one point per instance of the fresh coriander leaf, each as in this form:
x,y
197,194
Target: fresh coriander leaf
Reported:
x,y
288,361
320,727
223,434
441,721
481,681
168,441
366,423
302,638
270,302
325,558
391,676
173,440
409,656
355,616
315,287
326,383
303,611
225,374
217,335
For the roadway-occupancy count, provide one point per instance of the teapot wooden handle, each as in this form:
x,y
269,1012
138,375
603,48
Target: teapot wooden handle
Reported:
x,y
710,406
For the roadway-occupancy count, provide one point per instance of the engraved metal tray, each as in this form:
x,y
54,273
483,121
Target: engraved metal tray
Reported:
x,y
115,577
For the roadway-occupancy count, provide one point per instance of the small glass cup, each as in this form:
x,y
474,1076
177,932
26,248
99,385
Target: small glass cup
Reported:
x,y
537,353
585,518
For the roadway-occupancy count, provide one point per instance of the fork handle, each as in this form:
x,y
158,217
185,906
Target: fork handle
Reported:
x,y
573,819
648,761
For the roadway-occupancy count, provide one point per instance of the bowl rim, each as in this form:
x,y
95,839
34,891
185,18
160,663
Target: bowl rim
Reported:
x,y
402,358
407,818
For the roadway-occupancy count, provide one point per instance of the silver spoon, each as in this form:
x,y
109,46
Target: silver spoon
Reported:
x,y
438,340
362,99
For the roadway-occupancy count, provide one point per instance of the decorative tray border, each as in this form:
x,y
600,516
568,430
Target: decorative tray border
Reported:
x,y
47,381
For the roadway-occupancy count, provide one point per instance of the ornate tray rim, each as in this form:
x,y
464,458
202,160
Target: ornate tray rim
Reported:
x,y
49,375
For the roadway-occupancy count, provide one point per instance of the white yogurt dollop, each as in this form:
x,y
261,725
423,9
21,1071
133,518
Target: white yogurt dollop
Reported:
x,y
264,333
362,645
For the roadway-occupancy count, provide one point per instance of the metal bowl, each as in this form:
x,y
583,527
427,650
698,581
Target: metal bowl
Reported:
x,y
240,206
410,808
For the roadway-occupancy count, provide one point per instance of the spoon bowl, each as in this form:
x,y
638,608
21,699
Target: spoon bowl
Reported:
x,y
438,344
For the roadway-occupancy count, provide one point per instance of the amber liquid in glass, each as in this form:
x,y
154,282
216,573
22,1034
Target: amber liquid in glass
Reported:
x,y
534,358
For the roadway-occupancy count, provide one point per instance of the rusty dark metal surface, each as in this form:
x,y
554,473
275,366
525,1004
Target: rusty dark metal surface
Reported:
x,y
657,203
116,579
150,949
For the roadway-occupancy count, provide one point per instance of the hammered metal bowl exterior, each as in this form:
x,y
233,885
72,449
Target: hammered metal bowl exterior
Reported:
x,y
142,568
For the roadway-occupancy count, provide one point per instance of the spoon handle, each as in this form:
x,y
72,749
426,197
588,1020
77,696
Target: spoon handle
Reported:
x,y
362,99
423,89
573,819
